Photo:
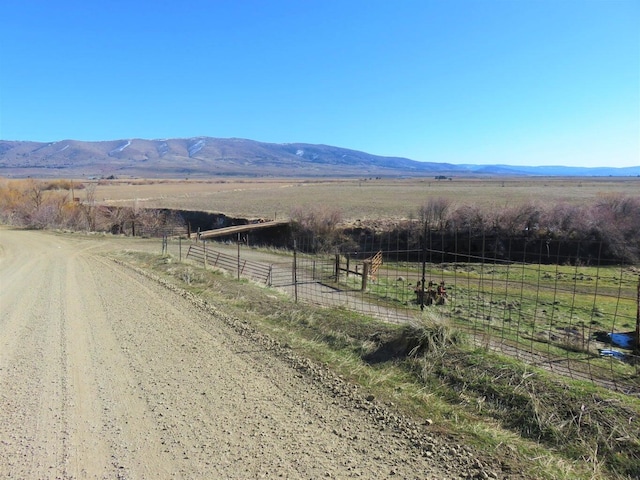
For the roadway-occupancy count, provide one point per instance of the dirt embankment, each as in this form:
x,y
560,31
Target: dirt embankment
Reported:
x,y
105,373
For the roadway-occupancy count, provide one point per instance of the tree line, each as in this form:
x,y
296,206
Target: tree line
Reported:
x,y
42,204
610,223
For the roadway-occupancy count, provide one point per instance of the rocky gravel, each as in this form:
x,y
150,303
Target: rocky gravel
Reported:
x,y
107,371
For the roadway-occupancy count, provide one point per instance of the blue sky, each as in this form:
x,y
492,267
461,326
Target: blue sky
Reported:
x,y
519,82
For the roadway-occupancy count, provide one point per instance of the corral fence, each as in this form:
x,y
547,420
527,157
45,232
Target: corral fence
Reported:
x,y
578,317
271,274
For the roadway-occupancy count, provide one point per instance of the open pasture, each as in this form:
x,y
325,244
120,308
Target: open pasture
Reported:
x,y
365,199
553,310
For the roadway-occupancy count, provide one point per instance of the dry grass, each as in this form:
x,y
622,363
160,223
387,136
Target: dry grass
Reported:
x,y
536,423
357,199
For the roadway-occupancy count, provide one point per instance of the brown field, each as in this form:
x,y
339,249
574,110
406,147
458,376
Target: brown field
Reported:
x,y
142,367
368,199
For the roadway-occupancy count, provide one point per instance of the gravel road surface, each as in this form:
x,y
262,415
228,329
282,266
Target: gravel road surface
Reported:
x,y
106,373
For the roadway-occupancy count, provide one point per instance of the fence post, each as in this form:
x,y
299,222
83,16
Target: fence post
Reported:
x,y
295,272
424,265
365,274
337,268
180,249
204,247
238,256
637,349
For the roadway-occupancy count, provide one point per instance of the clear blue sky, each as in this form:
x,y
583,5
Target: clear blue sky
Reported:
x,y
519,82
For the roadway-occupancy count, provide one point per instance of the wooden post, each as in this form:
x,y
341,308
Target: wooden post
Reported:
x,y
337,268
348,263
365,274
204,246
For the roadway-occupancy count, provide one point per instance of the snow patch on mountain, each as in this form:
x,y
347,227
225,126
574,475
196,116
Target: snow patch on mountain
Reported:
x,y
196,147
163,149
120,148
300,153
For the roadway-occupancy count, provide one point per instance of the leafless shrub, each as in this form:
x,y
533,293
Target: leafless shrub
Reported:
x,y
518,219
118,218
73,217
433,213
320,223
45,216
62,185
617,221
565,220
317,219
469,218
149,222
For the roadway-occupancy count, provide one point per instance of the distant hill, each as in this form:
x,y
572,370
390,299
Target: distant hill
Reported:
x,y
206,156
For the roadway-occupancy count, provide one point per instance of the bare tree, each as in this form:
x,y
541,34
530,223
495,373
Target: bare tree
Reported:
x,y
89,205
35,192
433,214
518,219
319,222
469,218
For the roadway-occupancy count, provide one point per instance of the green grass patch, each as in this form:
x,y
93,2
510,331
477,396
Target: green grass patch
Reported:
x,y
559,310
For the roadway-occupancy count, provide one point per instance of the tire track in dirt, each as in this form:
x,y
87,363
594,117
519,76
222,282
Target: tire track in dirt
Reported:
x,y
243,422
29,371
105,373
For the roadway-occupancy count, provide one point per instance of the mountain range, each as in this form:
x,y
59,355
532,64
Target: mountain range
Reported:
x,y
207,156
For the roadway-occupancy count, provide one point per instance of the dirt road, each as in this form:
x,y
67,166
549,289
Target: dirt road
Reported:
x,y
104,373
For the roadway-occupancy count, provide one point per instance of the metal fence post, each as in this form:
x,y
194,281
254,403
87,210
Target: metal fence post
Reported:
x,y
638,320
423,240
238,256
295,272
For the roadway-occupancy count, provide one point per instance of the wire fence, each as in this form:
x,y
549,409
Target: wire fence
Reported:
x,y
574,314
